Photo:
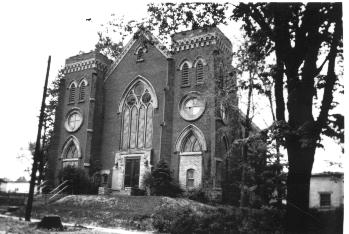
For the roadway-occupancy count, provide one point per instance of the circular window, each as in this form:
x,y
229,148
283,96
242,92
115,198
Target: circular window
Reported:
x,y
192,106
73,121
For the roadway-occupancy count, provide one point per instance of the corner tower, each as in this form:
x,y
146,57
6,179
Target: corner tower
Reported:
x,y
78,126
203,60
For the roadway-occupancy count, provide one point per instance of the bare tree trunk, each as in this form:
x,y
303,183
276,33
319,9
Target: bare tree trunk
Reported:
x,y
243,199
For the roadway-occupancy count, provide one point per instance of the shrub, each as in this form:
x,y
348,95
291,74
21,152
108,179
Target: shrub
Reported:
x,y
160,181
197,195
219,220
78,181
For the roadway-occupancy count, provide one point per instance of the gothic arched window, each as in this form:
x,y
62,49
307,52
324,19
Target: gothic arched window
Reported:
x,y
137,117
82,90
199,72
71,152
185,74
72,91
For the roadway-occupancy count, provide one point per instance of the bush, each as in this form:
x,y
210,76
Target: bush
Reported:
x,y
197,195
219,220
78,181
160,181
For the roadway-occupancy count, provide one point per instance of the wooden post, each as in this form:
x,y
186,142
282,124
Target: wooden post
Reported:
x,y
37,148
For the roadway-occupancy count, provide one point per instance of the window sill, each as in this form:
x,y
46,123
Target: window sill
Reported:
x,y
139,60
71,103
185,86
81,101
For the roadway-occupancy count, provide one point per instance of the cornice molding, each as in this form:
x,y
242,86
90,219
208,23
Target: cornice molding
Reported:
x,y
84,65
212,38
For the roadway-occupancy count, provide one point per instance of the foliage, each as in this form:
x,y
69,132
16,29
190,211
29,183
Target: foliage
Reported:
x,y
160,181
78,181
196,195
218,220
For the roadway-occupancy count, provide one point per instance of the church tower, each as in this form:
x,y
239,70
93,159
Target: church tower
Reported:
x,y
202,65
78,119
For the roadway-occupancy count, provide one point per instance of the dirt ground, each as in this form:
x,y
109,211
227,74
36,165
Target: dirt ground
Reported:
x,y
11,225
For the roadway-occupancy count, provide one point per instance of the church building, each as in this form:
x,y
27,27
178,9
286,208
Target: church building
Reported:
x,y
118,119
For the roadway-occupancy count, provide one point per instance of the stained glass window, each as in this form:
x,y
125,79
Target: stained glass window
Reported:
x,y
141,127
149,131
134,119
138,131
126,128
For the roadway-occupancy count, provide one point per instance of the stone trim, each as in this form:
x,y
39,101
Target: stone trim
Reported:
x,y
85,64
213,38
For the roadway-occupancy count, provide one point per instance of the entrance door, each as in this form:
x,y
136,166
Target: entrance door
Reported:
x,y
132,172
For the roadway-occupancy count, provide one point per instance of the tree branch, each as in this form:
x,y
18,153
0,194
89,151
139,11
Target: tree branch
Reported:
x,y
331,75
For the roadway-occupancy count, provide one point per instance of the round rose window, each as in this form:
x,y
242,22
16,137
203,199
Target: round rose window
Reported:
x,y
192,106
73,121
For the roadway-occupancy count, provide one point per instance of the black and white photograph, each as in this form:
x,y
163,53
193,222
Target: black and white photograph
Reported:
x,y
178,117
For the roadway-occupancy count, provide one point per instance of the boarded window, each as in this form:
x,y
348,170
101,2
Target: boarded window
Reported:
x,y
190,178
325,199
72,93
185,75
82,91
199,72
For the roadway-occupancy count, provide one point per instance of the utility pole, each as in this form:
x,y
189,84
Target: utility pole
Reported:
x,y
37,148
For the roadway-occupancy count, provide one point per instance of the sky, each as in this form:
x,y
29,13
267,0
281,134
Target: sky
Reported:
x,y
33,30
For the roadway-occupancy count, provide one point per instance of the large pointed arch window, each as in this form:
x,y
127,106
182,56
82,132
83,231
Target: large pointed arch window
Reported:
x,y
137,117
71,152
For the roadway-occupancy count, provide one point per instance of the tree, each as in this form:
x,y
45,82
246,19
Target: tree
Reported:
x,y
161,182
78,181
304,38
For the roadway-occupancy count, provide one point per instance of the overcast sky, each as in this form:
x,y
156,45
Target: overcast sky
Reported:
x,y
33,30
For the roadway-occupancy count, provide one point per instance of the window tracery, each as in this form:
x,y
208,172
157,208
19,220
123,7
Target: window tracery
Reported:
x,y
137,117
191,144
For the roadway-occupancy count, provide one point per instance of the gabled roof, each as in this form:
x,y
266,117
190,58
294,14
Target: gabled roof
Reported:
x,y
150,37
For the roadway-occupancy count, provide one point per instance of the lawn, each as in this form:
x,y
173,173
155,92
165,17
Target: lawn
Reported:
x,y
130,212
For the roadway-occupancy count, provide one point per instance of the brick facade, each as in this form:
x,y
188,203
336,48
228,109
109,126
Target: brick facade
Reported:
x,y
184,143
